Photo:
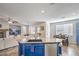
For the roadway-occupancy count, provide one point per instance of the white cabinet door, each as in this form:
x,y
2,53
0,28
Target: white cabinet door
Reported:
x,y
2,46
6,43
10,43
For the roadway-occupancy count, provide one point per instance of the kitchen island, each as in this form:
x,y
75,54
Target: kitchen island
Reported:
x,y
39,49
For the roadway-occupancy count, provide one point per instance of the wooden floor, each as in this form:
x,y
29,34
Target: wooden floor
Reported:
x,y
10,52
71,50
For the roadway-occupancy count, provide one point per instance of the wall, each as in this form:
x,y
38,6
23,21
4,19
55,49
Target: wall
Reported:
x,y
5,24
53,29
24,29
47,31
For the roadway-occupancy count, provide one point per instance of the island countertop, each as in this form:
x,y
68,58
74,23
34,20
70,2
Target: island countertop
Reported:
x,y
41,42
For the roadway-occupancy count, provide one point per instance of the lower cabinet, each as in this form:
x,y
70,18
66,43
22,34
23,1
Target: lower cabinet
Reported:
x,y
39,51
7,43
31,49
10,43
2,44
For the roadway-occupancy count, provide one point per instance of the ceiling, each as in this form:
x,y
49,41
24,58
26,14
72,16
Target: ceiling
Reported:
x,y
27,13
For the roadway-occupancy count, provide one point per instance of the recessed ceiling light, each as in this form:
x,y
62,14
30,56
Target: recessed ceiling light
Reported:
x,y
42,11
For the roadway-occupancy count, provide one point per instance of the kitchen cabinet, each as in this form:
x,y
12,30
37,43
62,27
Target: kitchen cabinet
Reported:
x,y
34,49
10,43
2,43
6,43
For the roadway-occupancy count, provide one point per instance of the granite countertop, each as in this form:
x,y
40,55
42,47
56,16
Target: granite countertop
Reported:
x,y
41,42
53,41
